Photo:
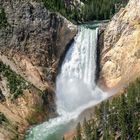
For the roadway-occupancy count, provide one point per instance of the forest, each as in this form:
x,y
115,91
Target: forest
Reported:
x,y
91,10
115,119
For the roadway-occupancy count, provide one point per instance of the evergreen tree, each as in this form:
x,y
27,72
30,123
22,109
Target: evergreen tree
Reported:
x,y
92,9
3,19
87,129
78,132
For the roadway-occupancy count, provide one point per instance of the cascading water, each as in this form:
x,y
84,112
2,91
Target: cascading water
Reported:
x,y
76,83
75,86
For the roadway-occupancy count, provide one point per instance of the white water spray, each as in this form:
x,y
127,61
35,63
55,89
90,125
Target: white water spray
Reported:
x,y
76,89
76,82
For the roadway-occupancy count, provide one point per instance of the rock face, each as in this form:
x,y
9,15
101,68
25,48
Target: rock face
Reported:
x,y
120,55
35,39
31,45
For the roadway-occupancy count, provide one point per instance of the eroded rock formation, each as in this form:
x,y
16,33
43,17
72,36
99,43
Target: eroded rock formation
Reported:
x,y
31,45
120,57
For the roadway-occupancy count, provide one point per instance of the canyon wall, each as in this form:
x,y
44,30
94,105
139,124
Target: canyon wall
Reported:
x,y
32,40
120,50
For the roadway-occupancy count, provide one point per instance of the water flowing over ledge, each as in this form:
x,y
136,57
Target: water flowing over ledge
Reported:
x,y
76,89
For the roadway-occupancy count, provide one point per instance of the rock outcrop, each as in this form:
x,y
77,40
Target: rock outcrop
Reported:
x,y
120,53
32,40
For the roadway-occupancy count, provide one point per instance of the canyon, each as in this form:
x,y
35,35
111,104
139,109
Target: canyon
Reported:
x,y
32,47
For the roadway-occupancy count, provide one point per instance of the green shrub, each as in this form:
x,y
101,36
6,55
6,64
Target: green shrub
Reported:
x,y
3,119
3,19
31,120
16,83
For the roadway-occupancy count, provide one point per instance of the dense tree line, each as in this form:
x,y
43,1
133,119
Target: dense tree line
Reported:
x,y
118,119
102,9
92,9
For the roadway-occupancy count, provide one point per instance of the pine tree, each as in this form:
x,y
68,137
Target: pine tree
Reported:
x,y
92,9
120,115
87,129
78,132
3,19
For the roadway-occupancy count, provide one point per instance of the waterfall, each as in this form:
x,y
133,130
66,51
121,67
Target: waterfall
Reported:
x,y
76,82
76,89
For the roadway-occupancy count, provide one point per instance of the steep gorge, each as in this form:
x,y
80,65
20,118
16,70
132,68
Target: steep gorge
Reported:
x,y
32,40
119,44
31,45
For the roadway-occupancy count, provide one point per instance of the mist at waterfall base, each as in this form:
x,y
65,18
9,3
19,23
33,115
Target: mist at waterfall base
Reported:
x,y
76,89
